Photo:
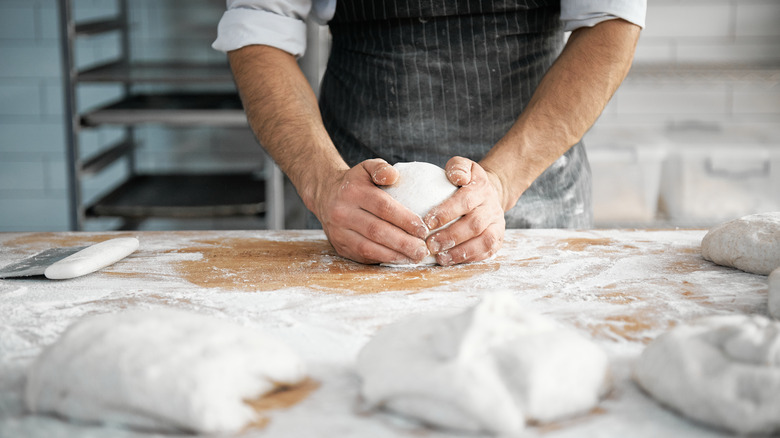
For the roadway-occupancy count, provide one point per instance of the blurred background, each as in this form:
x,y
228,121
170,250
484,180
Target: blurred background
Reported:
x,y
120,115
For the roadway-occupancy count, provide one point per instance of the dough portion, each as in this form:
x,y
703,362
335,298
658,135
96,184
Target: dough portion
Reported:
x,y
751,243
774,293
490,368
723,371
163,370
420,187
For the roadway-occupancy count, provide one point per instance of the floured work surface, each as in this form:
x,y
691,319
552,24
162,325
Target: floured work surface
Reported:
x,y
621,288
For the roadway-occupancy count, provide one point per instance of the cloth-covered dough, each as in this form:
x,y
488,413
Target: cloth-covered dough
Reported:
x,y
420,187
162,370
723,371
751,243
774,293
490,368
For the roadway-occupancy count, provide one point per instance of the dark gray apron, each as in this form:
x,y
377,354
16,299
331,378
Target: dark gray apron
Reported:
x,y
428,80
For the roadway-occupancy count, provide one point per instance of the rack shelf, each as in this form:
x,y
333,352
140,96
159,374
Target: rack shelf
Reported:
x,y
95,27
157,72
184,196
195,96
180,109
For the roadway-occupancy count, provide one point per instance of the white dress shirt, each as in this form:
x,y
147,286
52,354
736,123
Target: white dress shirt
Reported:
x,y
282,23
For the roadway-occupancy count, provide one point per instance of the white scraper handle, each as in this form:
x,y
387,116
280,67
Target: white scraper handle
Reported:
x,y
92,258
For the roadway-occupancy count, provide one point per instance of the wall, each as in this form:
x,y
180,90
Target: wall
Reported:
x,y
658,94
33,182
32,173
739,42
704,90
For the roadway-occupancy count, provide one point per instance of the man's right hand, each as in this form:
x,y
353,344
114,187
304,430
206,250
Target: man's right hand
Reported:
x,y
365,224
362,222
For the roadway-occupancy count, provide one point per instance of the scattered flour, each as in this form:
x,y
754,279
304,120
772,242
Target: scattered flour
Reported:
x,y
328,327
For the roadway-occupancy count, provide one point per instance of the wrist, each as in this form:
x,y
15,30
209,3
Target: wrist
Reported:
x,y
315,178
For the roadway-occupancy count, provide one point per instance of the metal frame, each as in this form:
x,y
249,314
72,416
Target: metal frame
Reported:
x,y
70,78
79,167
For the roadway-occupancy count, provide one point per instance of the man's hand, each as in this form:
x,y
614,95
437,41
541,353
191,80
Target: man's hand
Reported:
x,y
479,233
365,224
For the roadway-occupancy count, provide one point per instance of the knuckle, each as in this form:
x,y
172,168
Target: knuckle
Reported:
x,y
364,249
470,199
339,215
477,225
384,207
374,230
492,242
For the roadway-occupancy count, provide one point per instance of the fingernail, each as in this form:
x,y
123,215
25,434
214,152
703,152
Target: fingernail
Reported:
x,y
444,258
454,172
432,223
375,177
435,246
421,232
421,253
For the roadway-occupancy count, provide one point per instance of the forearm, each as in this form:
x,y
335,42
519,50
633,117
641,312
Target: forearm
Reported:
x,y
282,111
567,102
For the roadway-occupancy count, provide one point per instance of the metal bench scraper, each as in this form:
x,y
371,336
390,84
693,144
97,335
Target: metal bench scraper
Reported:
x,y
71,262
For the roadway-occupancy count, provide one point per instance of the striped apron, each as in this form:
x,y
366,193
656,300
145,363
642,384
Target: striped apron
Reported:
x,y
427,80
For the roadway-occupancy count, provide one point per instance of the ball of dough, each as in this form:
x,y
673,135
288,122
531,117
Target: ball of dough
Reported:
x,y
161,370
751,243
420,187
723,371
490,368
774,293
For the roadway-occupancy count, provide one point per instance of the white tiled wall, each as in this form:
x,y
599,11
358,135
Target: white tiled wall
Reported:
x,y
32,166
686,31
709,70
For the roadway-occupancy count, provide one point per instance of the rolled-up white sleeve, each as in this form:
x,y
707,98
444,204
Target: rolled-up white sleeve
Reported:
x,y
276,23
588,13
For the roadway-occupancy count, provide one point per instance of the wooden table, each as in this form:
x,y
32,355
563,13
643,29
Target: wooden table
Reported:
x,y
620,287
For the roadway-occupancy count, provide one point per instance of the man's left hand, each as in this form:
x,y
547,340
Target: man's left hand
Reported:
x,y
479,233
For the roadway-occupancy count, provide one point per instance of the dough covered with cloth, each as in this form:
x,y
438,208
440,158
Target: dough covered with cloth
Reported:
x,y
491,368
160,370
723,371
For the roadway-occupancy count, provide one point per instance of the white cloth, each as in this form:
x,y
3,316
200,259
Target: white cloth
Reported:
x,y
282,23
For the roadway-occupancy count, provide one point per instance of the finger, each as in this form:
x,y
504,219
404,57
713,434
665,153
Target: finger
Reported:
x,y
387,235
469,196
462,202
479,248
465,228
377,202
354,246
380,171
458,170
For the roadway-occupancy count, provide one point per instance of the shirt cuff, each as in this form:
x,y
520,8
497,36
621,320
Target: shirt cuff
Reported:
x,y
582,13
243,27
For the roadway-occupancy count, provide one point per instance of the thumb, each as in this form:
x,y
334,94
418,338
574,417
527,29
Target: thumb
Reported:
x,y
458,170
381,173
